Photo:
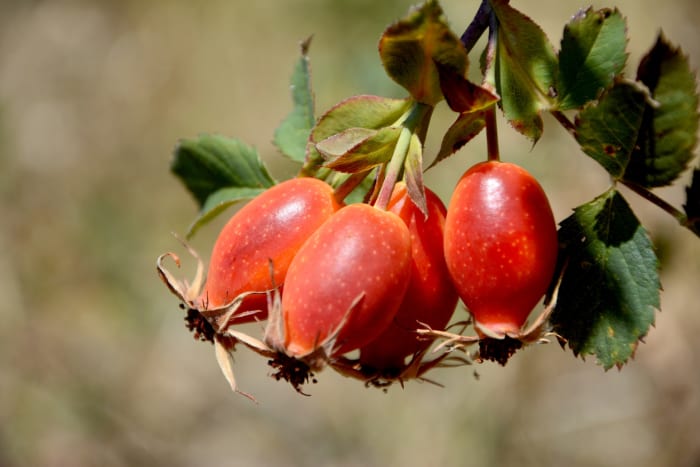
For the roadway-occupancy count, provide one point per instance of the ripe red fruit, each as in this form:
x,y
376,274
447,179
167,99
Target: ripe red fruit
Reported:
x,y
500,245
271,227
431,298
361,251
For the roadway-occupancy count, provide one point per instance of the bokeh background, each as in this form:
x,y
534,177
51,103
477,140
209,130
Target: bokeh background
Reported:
x,y
96,367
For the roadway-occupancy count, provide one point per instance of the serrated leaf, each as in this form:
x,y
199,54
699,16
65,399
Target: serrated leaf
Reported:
x,y
607,130
692,203
610,288
592,54
358,149
413,174
668,134
370,112
523,71
219,201
211,162
293,133
466,127
410,47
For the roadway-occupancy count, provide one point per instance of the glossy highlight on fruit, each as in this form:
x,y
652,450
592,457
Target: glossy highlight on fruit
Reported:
x,y
361,253
500,245
431,298
270,228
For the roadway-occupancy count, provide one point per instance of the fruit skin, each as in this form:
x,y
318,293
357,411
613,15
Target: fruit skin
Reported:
x,y
431,298
271,227
359,250
500,245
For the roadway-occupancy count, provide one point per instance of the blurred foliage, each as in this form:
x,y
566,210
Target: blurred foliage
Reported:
x,y
96,367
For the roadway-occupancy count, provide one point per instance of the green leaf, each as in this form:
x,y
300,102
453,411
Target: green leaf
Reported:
x,y
219,201
413,174
523,70
607,130
410,47
370,112
211,162
669,129
466,127
592,54
610,287
293,133
692,203
358,149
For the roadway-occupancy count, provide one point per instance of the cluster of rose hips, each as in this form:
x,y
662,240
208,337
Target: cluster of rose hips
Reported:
x,y
366,290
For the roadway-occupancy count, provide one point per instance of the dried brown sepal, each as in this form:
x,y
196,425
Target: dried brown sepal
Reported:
x,y
500,347
223,348
211,324
415,369
218,317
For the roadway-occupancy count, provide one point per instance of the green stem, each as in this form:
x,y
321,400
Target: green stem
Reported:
x,y
416,122
394,168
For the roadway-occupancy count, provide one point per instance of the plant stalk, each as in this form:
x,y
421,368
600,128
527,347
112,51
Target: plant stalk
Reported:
x,y
416,122
653,198
477,27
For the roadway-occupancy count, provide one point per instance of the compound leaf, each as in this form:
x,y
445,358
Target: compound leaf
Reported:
x,y
592,54
364,111
668,134
610,287
219,201
293,133
212,162
607,130
410,48
523,70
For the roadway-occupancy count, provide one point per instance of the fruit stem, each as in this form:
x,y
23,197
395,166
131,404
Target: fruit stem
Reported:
x,y
416,121
492,134
493,152
394,168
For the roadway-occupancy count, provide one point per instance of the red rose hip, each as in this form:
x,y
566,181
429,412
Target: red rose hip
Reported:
x,y
500,245
270,228
431,298
361,253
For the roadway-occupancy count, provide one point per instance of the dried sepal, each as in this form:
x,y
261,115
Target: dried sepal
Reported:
x,y
497,346
415,369
223,349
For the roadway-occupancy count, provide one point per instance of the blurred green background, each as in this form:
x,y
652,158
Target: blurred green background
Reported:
x,y
96,367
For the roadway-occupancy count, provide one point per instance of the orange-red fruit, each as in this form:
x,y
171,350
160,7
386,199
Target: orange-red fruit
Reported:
x,y
500,244
271,227
360,251
431,298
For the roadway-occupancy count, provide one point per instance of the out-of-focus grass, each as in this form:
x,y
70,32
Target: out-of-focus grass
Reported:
x,y
96,367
